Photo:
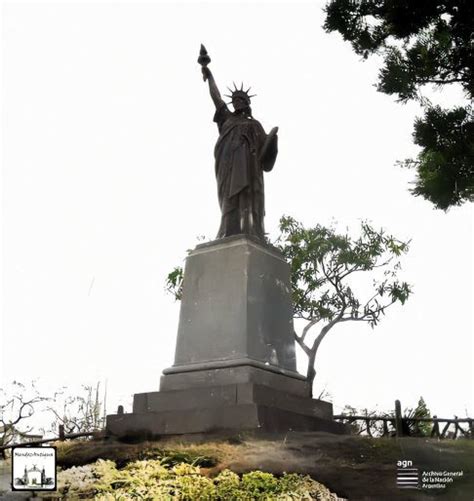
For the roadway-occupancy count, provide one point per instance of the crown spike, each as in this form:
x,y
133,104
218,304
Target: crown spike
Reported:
x,y
242,86
235,86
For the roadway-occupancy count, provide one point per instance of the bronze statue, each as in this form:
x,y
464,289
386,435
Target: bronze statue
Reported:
x,y
242,152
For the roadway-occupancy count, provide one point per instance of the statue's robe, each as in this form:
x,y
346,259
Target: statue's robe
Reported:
x,y
239,173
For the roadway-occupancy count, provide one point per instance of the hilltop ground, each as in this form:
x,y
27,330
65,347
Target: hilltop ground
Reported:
x,y
356,468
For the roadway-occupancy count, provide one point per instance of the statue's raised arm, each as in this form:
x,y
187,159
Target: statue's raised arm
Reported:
x,y
204,60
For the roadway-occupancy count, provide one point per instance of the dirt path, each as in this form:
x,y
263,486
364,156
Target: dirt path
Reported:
x,y
359,468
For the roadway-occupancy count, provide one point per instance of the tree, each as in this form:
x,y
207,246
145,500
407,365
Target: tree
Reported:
x,y
174,283
369,427
81,413
323,266
429,42
85,412
17,405
374,428
418,429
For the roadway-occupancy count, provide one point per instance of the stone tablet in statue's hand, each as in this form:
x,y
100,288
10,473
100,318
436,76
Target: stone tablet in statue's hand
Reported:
x,y
273,132
269,150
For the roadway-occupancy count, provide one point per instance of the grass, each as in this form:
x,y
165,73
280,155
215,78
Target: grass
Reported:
x,y
205,455
347,465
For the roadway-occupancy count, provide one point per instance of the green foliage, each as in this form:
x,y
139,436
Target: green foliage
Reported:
x,y
420,411
446,163
322,261
170,458
428,42
174,283
259,484
228,484
151,480
376,429
323,264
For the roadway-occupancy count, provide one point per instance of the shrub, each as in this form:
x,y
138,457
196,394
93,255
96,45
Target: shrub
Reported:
x,y
150,480
260,485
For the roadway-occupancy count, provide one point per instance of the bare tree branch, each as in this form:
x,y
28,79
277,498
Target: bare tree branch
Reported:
x,y
308,326
302,344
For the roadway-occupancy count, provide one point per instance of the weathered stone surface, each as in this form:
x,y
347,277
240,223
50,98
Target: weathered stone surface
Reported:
x,y
294,384
273,398
235,417
238,417
185,399
229,395
236,307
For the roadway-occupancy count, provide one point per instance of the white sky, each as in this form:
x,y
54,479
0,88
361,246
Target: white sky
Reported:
x,y
108,178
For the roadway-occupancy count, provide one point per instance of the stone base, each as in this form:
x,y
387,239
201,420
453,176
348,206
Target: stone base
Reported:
x,y
225,407
236,418
235,364
292,383
236,308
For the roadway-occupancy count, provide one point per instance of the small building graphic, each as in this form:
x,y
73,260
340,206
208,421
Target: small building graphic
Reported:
x,y
34,476
33,468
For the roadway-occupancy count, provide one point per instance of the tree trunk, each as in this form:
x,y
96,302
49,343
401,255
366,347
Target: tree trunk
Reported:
x,y
311,372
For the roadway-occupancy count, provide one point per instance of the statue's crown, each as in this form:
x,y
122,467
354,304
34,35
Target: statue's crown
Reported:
x,y
240,93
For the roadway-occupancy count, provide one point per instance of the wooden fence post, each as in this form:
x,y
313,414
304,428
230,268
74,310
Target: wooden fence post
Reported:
x,y
367,424
398,419
435,428
445,429
62,436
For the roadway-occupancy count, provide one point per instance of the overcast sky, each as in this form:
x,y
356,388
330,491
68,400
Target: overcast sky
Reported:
x,y
108,177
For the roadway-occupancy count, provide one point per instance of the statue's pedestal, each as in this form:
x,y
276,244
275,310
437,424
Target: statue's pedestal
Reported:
x,y
235,366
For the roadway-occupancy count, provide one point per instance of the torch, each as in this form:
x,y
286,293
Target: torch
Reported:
x,y
203,60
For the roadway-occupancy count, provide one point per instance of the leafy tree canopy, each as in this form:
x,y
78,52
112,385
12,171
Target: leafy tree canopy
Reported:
x,y
324,264
427,42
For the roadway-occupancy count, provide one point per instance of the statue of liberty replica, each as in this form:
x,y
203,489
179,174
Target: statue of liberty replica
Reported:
x,y
242,152
235,364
